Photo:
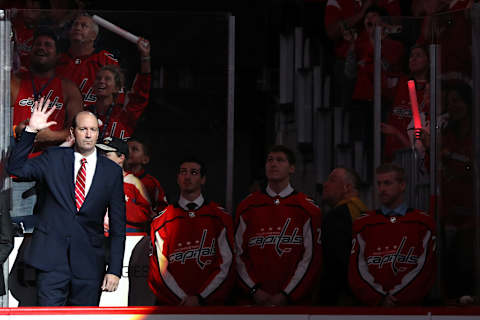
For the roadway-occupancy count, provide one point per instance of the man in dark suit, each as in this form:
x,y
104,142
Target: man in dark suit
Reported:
x,y
67,247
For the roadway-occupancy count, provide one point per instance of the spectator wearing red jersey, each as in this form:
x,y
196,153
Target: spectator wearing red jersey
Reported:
x,y
24,23
139,212
82,60
120,119
393,256
138,159
192,259
400,114
277,236
343,20
27,87
43,81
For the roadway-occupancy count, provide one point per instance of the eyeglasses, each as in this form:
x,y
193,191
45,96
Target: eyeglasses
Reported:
x,y
193,172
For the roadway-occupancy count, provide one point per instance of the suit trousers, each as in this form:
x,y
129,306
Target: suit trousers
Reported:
x,y
61,288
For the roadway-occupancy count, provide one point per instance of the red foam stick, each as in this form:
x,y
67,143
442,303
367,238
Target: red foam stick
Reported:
x,y
414,103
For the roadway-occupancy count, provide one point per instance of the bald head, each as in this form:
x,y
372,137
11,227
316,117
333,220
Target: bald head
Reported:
x,y
85,131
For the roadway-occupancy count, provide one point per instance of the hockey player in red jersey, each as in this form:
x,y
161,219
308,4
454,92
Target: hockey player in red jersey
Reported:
x,y
192,241
393,257
118,119
82,60
139,213
277,236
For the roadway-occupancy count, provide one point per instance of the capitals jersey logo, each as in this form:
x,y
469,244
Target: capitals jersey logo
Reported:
x,y
89,96
394,258
196,253
30,101
277,239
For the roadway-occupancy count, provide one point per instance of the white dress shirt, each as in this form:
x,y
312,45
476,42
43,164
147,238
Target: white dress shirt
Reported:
x,y
182,202
89,168
283,194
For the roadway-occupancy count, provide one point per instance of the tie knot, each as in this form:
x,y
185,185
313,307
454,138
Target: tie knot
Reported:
x,y
83,161
191,206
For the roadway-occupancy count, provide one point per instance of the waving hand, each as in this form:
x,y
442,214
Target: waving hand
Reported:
x,y
40,114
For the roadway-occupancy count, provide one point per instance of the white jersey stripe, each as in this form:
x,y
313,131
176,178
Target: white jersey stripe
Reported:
x,y
409,277
162,266
241,267
303,264
226,254
363,267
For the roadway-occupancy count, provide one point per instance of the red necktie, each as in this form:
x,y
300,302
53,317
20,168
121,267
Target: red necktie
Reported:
x,y
80,184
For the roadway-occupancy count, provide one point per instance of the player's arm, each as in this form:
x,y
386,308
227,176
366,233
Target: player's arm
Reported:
x,y
161,280
416,284
218,284
308,267
363,283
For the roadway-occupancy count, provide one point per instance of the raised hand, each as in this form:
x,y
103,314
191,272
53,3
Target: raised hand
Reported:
x,y
143,46
40,114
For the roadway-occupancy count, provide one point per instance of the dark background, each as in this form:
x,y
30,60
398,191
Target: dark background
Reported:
x,y
190,41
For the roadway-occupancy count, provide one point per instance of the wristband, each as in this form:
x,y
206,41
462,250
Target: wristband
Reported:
x,y
145,58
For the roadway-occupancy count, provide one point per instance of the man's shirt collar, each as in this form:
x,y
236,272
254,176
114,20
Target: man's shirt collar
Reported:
x,y
401,210
283,194
182,202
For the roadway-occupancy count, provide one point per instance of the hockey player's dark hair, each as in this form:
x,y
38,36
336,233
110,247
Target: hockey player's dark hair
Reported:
x,y
203,169
391,167
288,152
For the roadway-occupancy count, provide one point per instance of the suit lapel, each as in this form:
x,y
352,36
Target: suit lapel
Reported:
x,y
68,162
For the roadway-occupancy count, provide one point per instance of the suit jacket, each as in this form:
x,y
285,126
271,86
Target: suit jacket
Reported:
x,y
64,236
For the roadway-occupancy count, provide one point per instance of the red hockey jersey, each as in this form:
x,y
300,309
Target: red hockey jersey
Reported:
x,y
278,244
393,255
192,254
154,189
50,88
82,71
120,120
139,212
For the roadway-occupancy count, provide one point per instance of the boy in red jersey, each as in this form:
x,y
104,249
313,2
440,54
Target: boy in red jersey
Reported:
x,y
139,211
139,158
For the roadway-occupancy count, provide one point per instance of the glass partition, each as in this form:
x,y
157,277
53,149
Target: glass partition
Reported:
x,y
439,160
187,104
176,95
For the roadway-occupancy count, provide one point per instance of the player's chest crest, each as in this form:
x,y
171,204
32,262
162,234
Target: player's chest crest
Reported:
x,y
200,250
279,237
